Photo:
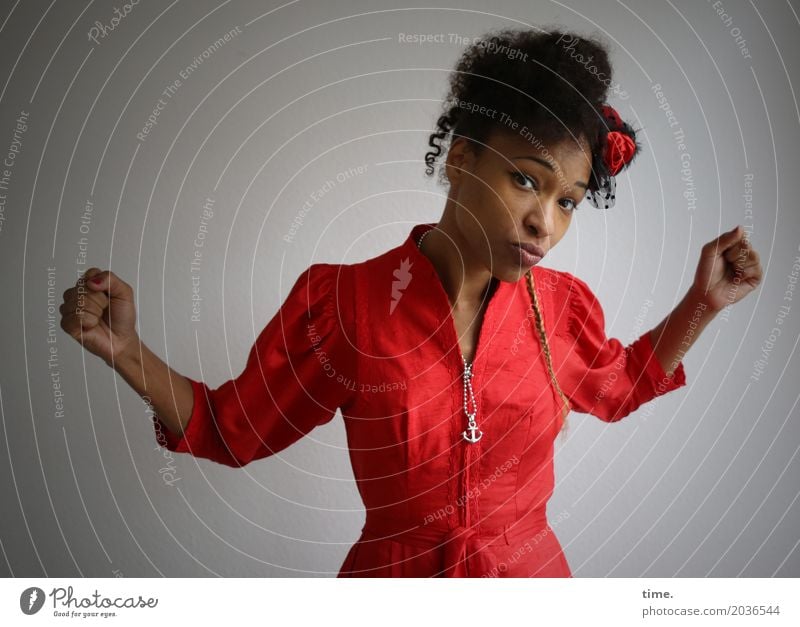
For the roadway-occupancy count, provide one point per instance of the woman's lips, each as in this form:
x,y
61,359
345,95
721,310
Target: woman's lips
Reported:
x,y
529,254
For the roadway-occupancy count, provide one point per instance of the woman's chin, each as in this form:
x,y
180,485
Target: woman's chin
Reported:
x,y
509,275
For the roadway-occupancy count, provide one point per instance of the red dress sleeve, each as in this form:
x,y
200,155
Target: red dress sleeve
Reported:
x,y
288,386
599,375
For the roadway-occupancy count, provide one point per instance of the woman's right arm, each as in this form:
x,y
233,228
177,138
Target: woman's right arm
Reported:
x,y
169,393
100,313
300,369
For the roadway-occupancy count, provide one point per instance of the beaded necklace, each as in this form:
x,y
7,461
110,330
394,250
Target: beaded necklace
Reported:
x,y
472,433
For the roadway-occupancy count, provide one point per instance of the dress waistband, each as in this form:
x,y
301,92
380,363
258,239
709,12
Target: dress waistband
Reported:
x,y
464,548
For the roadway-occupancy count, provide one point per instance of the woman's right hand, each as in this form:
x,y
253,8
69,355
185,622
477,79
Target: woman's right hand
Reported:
x,y
100,313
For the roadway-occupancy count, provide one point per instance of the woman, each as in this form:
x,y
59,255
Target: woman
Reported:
x,y
455,356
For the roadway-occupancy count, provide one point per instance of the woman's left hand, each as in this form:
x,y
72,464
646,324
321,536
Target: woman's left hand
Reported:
x,y
728,270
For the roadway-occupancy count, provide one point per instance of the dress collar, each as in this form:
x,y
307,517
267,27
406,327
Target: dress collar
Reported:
x,y
439,302
410,250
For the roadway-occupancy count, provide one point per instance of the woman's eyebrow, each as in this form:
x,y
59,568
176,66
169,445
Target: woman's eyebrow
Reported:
x,y
546,164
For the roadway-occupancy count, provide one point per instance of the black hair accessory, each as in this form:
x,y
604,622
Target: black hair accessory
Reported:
x,y
618,149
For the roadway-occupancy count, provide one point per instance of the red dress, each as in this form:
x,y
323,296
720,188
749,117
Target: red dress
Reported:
x,y
377,340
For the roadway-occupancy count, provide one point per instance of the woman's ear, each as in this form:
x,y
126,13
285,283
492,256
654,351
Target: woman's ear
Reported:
x,y
460,157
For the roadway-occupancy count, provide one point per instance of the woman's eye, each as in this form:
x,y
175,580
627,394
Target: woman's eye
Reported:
x,y
522,179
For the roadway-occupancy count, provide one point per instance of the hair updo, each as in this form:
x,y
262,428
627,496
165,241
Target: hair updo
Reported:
x,y
552,82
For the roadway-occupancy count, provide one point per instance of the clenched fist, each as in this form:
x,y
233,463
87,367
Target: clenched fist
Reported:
x,y
728,270
100,313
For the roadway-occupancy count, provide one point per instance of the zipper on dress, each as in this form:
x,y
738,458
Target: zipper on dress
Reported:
x,y
471,434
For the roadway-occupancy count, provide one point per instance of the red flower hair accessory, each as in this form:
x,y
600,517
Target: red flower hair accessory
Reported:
x,y
620,148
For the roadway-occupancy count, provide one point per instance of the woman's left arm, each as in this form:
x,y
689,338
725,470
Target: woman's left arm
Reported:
x,y
728,270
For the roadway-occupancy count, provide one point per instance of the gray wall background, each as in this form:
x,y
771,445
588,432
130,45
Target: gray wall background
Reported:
x,y
702,482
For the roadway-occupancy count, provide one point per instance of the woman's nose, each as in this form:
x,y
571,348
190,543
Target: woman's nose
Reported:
x,y
540,219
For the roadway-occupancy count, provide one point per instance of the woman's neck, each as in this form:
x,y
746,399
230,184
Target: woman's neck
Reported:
x,y
466,281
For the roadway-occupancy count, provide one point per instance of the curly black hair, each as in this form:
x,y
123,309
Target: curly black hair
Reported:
x,y
553,82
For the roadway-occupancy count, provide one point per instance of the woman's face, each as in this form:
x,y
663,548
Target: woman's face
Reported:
x,y
517,190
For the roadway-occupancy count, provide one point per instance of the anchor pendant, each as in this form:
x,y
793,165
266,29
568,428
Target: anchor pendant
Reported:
x,y
471,434
474,434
